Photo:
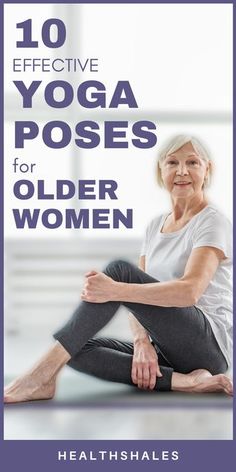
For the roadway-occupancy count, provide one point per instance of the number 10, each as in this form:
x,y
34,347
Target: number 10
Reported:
x,y
46,34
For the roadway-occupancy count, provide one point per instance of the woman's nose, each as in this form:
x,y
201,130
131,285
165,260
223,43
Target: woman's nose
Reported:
x,y
182,169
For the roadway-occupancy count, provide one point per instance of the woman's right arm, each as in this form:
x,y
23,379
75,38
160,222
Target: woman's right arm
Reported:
x,y
145,368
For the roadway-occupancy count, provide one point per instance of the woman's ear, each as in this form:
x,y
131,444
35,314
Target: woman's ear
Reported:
x,y
208,174
159,174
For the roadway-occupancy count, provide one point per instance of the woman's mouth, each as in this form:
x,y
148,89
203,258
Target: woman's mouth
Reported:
x,y
183,184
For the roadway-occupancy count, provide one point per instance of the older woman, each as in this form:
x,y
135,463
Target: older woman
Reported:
x,y
180,299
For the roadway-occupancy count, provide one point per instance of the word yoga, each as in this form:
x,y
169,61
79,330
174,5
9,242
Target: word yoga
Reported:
x,y
90,94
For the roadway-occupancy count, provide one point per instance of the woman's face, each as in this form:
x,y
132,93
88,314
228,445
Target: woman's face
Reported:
x,y
183,172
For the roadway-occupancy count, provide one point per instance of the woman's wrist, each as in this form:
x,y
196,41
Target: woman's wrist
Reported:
x,y
122,291
141,339
119,292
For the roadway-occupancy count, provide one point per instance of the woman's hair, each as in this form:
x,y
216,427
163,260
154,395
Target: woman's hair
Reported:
x,y
174,144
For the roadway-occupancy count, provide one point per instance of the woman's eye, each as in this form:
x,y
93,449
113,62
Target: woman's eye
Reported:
x,y
192,163
171,163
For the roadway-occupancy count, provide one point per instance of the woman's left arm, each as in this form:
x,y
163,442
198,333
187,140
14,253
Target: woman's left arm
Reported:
x,y
186,291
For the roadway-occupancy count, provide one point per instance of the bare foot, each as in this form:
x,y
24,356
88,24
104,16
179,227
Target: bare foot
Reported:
x,y
212,383
201,381
198,376
40,382
27,388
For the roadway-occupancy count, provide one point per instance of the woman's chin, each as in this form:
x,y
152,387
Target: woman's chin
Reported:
x,y
182,192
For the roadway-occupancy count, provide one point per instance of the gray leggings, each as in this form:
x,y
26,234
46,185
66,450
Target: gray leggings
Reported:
x,y
182,337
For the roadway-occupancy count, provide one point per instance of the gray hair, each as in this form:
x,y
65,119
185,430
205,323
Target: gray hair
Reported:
x,y
174,144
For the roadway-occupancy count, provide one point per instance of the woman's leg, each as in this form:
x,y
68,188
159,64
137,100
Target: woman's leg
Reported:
x,y
111,359
104,358
176,330
39,382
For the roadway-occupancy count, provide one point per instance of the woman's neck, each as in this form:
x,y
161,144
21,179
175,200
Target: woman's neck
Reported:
x,y
185,209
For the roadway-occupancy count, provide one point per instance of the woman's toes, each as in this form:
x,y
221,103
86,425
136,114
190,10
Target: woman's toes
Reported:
x,y
218,383
227,385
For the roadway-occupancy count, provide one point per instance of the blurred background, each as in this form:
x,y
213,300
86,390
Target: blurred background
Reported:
x,y
178,59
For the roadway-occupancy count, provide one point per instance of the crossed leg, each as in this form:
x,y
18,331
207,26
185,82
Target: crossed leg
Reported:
x,y
111,359
171,328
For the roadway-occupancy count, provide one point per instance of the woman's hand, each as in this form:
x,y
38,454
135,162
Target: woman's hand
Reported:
x,y
99,288
145,367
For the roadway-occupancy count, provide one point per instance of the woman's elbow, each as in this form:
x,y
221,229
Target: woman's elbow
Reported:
x,y
193,293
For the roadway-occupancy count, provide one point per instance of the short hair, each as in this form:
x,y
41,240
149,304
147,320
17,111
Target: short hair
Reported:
x,y
174,144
